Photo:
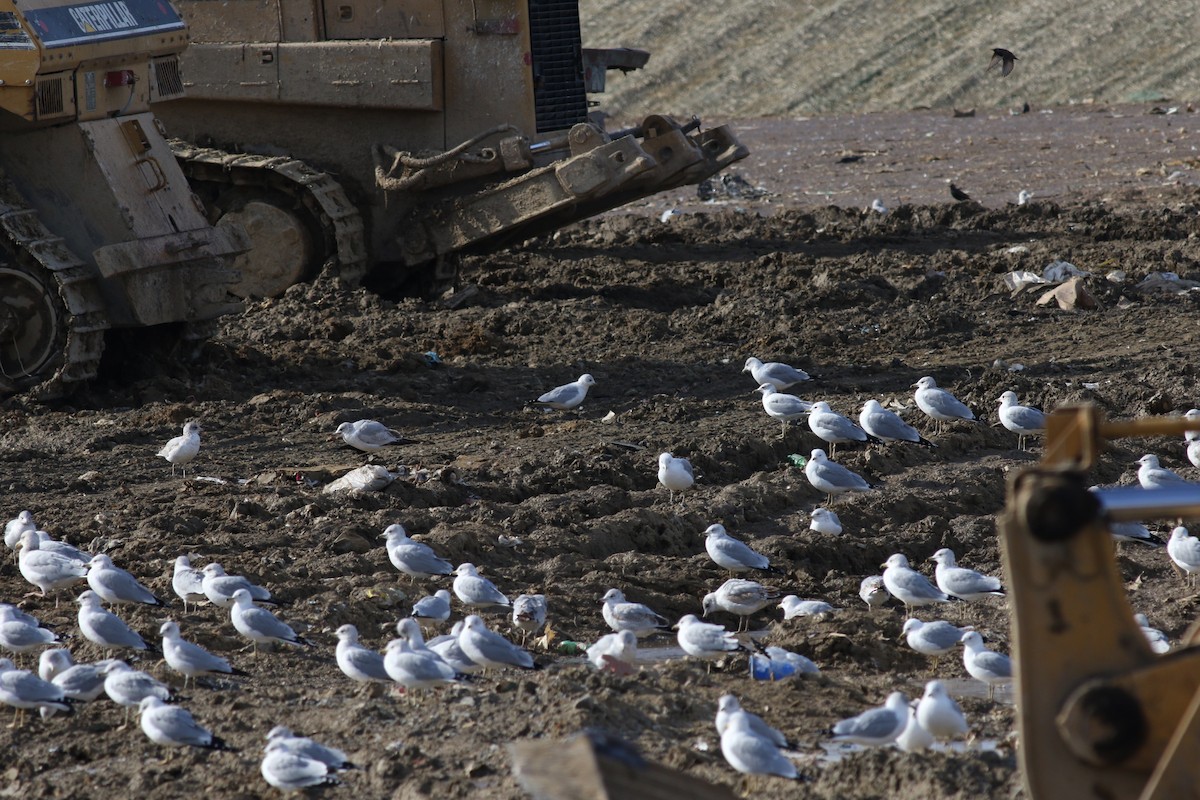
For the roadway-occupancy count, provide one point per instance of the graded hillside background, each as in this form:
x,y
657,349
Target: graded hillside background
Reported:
x,y
791,57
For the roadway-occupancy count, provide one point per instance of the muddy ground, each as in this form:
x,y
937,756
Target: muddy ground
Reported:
x,y
663,314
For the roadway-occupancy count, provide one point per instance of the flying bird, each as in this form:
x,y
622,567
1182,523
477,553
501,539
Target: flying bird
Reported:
x,y
1003,59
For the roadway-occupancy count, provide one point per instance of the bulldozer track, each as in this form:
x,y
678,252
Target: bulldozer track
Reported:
x,y
321,195
34,247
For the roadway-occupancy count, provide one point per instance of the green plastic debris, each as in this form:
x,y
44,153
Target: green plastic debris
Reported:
x,y
797,460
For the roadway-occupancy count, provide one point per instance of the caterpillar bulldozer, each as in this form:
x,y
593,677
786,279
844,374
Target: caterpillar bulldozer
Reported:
x,y
1100,715
99,228
379,139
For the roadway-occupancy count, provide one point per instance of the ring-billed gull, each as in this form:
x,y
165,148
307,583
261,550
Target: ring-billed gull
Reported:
x,y
282,738
188,582
775,663
1158,640
909,586
622,615
705,641
259,625
741,598
219,587
932,638
115,585
1193,452
190,659
357,662
675,474
732,554
292,772
793,607
1152,475
490,649
49,544
1192,414
873,591
822,520
16,526
888,425
939,714
101,626
18,636
182,449
127,687
783,407
569,395
415,559
416,669
914,738
1021,420
615,653
435,607
23,690
174,727
963,583
875,727
992,668
448,649
780,376
751,754
80,682
474,591
1184,551
1135,532
832,427
529,613
831,478
47,571
939,405
369,435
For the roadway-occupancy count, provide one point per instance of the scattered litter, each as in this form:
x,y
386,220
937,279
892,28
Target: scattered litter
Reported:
x,y
797,460
367,478
1019,279
670,212
1091,386
432,359
1069,296
728,187
610,417
210,479
1058,271
1017,249
1165,282
509,541
767,669
1016,367
1116,276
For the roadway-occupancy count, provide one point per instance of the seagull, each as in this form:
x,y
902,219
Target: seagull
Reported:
x,y
189,659
888,426
220,588
188,582
415,559
914,738
435,607
182,449
832,427
615,653
569,395
173,726
1153,476
45,570
909,586
783,407
1003,59
832,478
939,404
622,615
474,591
740,597
1184,550
529,612
115,585
675,474
19,636
878,207
939,714
79,682
822,520
1193,452
416,668
1021,420
1023,197
982,664
368,435
1192,414
876,726
1134,532
259,625
282,738
357,662
292,772
873,592
51,545
490,649
751,754
1157,639
732,554
23,690
932,638
16,526
793,607
705,641
104,628
780,376
448,649
965,584
728,705
775,663
127,686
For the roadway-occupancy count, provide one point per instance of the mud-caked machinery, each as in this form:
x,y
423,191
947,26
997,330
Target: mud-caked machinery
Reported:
x,y
98,227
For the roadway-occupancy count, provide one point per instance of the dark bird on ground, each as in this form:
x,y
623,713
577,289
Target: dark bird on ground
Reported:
x,y
958,194
1003,59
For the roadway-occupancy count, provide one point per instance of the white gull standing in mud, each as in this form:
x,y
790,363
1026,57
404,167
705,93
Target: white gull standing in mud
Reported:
x,y
675,474
888,425
831,478
182,449
780,376
939,405
783,407
569,395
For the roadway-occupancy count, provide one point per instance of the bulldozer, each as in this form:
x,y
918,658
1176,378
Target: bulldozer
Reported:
x,y
381,139
99,228
1099,714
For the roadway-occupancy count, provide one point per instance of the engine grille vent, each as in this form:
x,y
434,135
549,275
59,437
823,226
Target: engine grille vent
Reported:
x,y
558,91
168,82
50,97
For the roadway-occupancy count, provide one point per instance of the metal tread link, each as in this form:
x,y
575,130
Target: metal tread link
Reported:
x,y
29,240
318,191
